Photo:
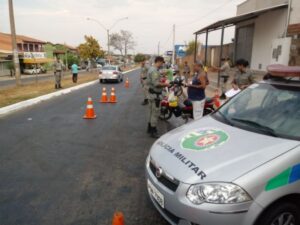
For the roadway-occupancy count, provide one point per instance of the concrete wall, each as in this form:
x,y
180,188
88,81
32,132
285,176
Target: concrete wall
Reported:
x,y
268,27
253,5
295,15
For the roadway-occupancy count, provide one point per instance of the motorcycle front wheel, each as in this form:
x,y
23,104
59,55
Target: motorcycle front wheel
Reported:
x,y
165,113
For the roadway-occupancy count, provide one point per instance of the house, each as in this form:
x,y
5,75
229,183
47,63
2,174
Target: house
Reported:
x,y
31,51
266,32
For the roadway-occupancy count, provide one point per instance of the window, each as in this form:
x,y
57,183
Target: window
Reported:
x,y
20,47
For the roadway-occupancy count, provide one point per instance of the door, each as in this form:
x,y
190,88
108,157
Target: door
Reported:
x,y
244,42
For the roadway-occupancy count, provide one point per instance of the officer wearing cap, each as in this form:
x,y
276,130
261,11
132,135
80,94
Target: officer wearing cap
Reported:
x,y
155,91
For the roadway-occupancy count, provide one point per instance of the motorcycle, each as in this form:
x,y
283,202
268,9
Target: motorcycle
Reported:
x,y
172,106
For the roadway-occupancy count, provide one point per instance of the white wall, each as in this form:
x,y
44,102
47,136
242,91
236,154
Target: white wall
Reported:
x,y
268,27
295,15
254,5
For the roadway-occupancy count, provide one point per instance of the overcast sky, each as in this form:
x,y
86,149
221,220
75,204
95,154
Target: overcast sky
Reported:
x,y
150,21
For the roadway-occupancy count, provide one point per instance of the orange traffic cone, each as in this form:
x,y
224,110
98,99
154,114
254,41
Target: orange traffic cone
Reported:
x,y
118,219
127,83
89,113
104,96
217,99
113,97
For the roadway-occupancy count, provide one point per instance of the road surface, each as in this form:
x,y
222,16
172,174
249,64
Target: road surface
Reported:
x,y
57,168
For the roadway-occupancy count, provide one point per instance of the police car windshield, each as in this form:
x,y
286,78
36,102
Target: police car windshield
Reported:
x,y
109,68
265,108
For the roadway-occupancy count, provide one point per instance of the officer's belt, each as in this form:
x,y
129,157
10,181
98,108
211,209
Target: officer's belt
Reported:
x,y
151,91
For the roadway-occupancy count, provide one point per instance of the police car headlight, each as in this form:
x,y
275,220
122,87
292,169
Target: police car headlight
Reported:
x,y
217,193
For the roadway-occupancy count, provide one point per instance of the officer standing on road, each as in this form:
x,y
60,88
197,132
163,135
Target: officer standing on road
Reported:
x,y
155,92
58,67
225,72
144,71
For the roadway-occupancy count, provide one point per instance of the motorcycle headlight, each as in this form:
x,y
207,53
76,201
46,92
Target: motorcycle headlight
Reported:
x,y
217,193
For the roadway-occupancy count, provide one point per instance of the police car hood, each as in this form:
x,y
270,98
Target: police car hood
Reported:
x,y
208,150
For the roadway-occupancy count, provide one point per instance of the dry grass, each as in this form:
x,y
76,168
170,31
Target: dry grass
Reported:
x,y
13,95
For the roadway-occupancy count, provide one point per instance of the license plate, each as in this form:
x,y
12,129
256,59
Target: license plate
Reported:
x,y
156,194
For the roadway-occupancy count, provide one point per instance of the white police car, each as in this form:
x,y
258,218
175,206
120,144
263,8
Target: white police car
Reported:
x,y
238,166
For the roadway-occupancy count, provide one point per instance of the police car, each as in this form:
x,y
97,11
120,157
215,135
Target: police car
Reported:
x,y
238,166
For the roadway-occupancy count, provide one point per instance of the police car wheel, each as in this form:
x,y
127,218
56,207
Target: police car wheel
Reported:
x,y
286,213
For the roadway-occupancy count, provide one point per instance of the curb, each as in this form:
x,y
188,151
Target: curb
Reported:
x,y
24,104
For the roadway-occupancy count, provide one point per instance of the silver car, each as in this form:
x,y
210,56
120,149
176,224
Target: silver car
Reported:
x,y
110,73
238,166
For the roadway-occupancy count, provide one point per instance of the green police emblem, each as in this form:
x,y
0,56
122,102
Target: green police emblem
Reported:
x,y
204,139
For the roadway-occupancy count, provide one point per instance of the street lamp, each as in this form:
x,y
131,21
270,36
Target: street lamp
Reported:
x,y
107,31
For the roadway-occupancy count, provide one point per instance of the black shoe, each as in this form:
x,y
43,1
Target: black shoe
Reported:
x,y
60,87
154,133
223,96
56,87
145,102
149,128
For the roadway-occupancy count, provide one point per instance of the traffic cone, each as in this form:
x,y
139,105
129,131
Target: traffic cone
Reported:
x,y
113,97
127,83
89,113
104,96
118,219
217,101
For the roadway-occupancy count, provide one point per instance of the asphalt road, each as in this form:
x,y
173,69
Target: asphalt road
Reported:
x,y
57,168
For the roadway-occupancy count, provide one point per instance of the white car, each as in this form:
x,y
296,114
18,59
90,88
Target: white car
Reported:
x,y
110,73
238,166
32,71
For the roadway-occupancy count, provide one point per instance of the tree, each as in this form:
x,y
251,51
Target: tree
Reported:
x,y
122,41
127,41
116,42
191,48
90,49
139,58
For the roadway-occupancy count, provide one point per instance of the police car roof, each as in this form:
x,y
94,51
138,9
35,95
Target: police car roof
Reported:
x,y
278,70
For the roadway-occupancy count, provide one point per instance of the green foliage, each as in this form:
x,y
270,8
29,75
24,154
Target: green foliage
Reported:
x,y
91,49
71,59
139,58
191,48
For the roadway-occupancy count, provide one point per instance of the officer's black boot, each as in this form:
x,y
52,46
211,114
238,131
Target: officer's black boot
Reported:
x,y
149,128
223,96
154,133
145,102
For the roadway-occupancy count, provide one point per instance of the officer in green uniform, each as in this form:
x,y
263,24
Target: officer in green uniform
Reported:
x,y
243,77
155,91
143,75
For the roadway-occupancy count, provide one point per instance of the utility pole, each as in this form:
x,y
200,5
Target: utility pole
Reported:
x,y
14,42
173,54
108,49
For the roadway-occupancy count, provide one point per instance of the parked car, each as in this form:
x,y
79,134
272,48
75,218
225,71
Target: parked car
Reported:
x,y
237,166
32,71
110,73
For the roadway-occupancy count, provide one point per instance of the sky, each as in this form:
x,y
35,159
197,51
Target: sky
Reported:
x,y
150,21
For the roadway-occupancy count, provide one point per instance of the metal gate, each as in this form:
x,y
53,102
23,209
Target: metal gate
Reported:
x,y
244,42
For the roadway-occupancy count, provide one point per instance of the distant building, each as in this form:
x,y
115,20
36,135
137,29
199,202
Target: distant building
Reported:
x,y
31,52
266,32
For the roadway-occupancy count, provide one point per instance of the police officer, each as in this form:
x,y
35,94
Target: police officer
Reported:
x,y
58,67
244,76
143,75
155,91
